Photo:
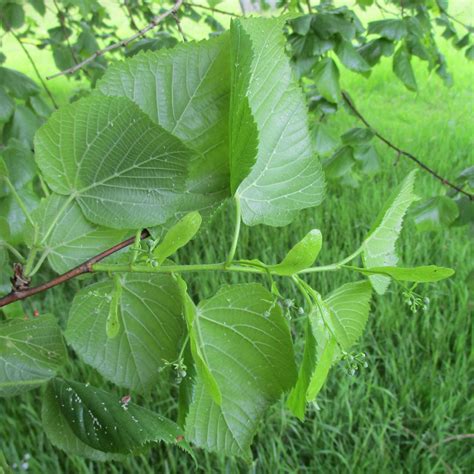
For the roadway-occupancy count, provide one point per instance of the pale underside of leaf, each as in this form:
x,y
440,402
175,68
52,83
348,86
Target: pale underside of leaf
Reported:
x,y
284,175
379,246
73,239
123,170
186,91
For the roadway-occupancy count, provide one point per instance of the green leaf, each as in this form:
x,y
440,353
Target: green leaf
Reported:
x,y
112,325
321,370
151,328
469,53
17,84
5,235
248,347
325,140
301,256
122,169
379,245
31,352
20,164
435,213
423,274
357,136
268,109
88,421
197,345
403,69
326,77
297,398
375,49
339,164
7,106
186,91
13,15
392,29
22,125
10,209
351,58
73,239
178,236
348,312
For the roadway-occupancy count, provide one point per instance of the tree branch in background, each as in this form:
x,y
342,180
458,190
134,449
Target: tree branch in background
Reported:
x,y
211,9
85,267
401,152
61,18
38,75
178,25
121,44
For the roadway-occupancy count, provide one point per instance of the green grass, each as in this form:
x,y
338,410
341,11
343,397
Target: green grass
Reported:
x,y
417,390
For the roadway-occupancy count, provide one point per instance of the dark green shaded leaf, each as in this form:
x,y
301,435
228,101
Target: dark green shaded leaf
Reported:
x,y
7,105
17,84
31,353
351,58
403,69
435,213
392,29
326,77
76,415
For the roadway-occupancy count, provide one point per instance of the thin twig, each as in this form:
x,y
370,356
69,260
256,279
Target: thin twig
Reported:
x,y
121,44
446,466
458,437
62,21
459,22
401,152
38,75
85,267
178,25
211,9
133,25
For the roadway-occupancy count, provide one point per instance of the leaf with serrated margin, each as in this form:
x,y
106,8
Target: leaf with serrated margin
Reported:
x,y
348,308
248,347
297,398
379,245
186,91
73,238
123,170
150,332
278,170
92,422
31,353
196,344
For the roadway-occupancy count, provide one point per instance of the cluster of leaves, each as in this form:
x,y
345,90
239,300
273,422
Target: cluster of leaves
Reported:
x,y
166,137
332,37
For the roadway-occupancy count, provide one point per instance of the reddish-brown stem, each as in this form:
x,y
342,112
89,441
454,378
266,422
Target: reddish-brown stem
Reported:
x,y
85,267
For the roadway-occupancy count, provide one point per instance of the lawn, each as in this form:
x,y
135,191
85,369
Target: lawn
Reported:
x,y
399,413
